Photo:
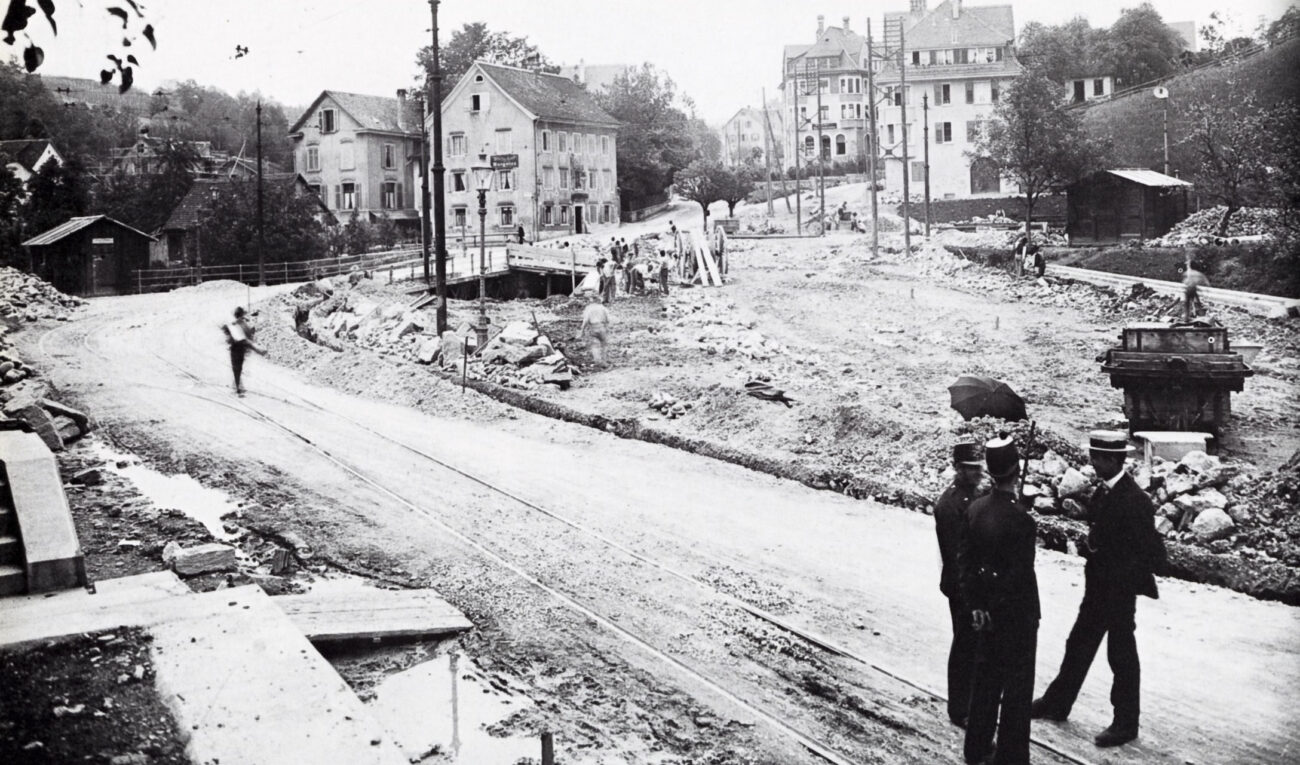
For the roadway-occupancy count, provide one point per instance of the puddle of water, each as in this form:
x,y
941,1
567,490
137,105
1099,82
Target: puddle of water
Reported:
x,y
448,703
207,506
337,583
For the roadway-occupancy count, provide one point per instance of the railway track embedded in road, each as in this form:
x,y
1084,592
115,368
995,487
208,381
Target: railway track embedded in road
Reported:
x,y
811,743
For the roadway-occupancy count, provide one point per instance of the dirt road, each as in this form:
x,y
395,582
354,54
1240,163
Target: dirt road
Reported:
x,y
601,571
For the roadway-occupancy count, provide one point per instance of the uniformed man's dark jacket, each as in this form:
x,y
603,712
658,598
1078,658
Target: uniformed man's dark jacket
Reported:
x,y
997,560
1123,544
950,527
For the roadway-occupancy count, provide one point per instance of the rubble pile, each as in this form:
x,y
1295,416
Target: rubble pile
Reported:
x,y
31,298
713,325
25,398
1202,226
668,405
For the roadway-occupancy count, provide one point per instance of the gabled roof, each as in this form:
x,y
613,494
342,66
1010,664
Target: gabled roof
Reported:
x,y
72,226
370,112
975,25
833,41
189,210
26,151
546,96
1148,177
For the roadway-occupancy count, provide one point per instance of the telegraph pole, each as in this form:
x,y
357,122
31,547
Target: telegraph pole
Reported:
x,y
798,169
439,204
907,189
767,154
871,113
821,161
261,239
925,112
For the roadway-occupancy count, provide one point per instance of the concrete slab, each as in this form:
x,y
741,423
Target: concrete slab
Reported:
x,y
371,613
1171,445
51,550
130,601
248,687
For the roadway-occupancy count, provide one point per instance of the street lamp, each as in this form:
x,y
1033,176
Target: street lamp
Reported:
x,y
1162,94
482,184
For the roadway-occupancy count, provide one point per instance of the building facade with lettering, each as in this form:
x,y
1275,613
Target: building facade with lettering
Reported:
x,y
361,154
564,144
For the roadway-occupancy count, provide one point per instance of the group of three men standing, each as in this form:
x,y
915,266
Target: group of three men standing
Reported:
x,y
987,546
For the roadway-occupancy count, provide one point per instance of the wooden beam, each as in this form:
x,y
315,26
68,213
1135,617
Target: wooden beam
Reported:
x,y
368,614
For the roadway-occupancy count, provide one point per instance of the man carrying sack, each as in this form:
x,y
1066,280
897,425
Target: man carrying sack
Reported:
x,y
1123,550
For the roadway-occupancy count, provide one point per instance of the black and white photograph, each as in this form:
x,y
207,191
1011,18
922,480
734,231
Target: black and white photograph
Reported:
x,y
741,382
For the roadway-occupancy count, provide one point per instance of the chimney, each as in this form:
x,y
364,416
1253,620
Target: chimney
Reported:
x,y
846,23
956,9
821,24
918,7
581,74
401,109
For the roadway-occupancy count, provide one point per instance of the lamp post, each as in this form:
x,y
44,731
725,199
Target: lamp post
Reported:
x,y
482,184
1162,94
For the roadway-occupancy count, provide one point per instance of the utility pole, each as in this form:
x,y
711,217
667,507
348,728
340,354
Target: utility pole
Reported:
x,y
871,114
907,170
425,230
925,127
439,203
771,137
767,154
261,238
798,150
821,160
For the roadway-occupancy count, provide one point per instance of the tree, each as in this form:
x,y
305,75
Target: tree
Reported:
x,y
703,182
1036,143
56,193
1066,51
228,229
1284,28
475,42
655,139
1141,47
146,201
1241,151
11,224
19,11
735,184
356,236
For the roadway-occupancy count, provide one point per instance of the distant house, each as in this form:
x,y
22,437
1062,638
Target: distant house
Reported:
x,y
89,255
747,131
177,240
361,153
28,156
597,77
1083,89
1117,205
566,179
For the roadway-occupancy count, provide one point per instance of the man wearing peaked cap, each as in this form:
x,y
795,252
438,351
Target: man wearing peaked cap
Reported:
x,y
1123,550
999,587
950,527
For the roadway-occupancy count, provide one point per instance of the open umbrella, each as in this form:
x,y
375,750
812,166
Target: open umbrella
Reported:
x,y
974,396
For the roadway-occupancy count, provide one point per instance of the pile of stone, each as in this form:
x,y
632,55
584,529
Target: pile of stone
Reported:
x,y
56,424
669,405
717,327
1202,227
28,297
12,368
522,358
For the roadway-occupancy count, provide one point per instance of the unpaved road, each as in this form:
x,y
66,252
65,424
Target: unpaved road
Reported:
x,y
1221,671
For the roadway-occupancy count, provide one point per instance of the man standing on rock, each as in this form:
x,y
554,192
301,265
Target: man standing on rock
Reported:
x,y
595,326
1123,550
999,586
950,526
239,335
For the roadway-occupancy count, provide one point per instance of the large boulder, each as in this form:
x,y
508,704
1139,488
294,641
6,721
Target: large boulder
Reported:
x,y
1206,499
1179,483
518,333
1052,464
1213,524
1200,462
59,410
428,351
27,409
451,349
1073,484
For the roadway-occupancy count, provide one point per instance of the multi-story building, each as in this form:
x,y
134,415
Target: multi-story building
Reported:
x,y
566,178
26,156
361,154
744,136
958,59
835,65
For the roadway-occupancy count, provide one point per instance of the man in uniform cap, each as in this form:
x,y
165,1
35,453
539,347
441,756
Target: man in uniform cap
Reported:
x,y
1123,550
950,526
999,586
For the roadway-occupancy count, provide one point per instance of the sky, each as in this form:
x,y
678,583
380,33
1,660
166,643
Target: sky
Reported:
x,y
721,53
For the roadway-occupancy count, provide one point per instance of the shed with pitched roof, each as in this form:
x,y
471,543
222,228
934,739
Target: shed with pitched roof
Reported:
x,y
1111,206
89,255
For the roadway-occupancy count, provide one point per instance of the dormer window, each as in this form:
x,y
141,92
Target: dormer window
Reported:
x,y
328,124
478,78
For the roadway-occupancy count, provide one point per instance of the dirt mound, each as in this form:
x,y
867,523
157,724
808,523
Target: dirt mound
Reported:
x,y
28,297
1202,226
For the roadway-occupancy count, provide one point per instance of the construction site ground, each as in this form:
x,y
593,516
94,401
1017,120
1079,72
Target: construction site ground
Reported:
x,y
605,575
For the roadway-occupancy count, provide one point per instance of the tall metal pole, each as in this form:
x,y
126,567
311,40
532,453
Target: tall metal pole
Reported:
x,y
1165,103
875,135
907,189
925,127
481,330
798,168
261,238
439,203
424,187
767,154
821,160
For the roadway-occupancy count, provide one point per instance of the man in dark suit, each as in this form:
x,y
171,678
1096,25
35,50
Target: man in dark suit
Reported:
x,y
950,526
1123,550
999,586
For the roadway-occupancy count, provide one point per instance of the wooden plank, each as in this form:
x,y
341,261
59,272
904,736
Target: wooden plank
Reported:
x,y
367,614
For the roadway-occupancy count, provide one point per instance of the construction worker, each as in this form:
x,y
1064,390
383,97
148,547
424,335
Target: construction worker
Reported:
x,y
1193,280
239,335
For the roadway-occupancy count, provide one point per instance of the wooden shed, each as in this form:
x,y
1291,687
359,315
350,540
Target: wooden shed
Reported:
x,y
89,255
1112,206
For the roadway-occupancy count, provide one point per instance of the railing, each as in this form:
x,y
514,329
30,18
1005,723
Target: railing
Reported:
x,y
163,279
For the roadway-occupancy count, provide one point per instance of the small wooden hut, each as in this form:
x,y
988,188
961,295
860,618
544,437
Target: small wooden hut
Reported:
x,y
89,255
1112,206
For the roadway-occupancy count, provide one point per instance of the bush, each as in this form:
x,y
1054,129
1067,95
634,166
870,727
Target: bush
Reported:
x,y
1268,269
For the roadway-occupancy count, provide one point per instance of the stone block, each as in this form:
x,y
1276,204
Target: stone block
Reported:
x,y
427,351
404,327
67,429
1164,526
519,333
1045,505
1073,483
452,349
88,477
1201,463
1171,444
1213,524
1052,464
203,559
60,410
40,420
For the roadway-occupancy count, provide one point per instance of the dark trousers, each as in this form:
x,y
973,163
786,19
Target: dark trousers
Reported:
x,y
1002,691
1106,611
961,660
237,352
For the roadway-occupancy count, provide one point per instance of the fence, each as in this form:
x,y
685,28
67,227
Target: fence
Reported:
x,y
163,279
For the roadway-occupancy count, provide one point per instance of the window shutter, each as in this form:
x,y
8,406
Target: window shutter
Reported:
x,y
320,121
338,197
399,196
